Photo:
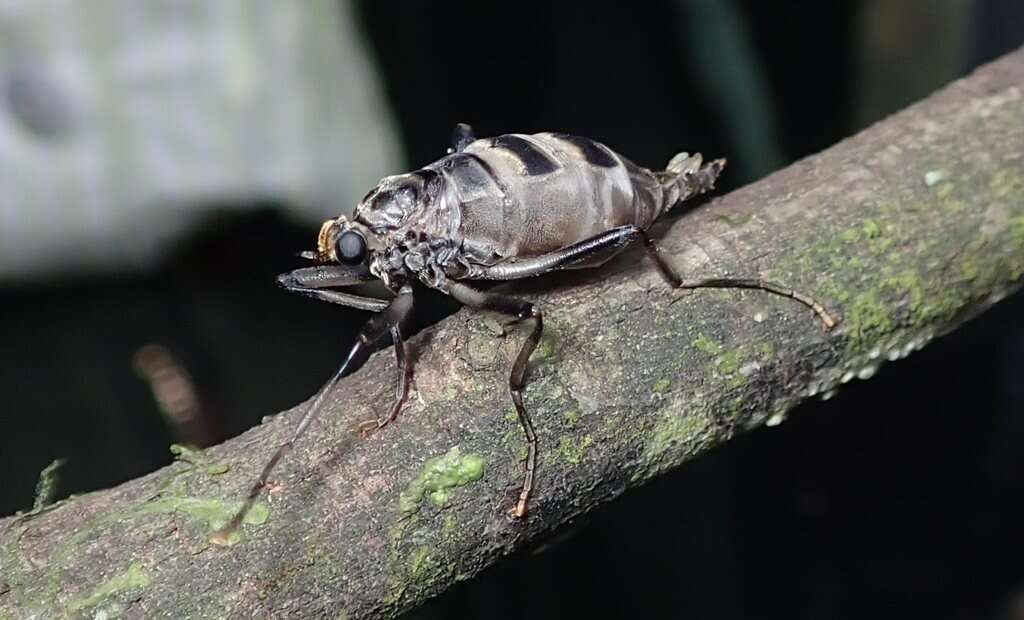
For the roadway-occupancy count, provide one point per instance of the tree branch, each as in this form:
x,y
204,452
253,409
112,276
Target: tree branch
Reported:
x,y
905,231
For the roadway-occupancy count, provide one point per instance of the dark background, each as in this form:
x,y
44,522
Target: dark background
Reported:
x,y
901,497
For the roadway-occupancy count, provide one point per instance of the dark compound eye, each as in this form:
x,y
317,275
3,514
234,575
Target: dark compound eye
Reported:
x,y
350,248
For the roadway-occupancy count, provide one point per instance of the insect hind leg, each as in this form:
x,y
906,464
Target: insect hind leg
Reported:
x,y
584,254
673,279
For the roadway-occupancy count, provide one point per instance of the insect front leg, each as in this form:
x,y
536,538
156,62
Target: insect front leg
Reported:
x,y
522,311
373,330
313,282
404,363
673,279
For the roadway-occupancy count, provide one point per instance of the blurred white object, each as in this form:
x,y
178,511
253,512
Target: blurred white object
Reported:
x,y
123,122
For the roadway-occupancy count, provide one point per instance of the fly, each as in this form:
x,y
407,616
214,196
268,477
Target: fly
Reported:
x,y
505,208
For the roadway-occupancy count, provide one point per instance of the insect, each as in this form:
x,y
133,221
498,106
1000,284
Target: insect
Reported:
x,y
504,208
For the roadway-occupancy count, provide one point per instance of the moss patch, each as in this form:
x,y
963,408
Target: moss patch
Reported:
x,y
872,229
572,451
868,314
199,460
196,461
133,578
1017,239
420,562
728,362
674,428
213,513
547,345
704,343
439,476
571,418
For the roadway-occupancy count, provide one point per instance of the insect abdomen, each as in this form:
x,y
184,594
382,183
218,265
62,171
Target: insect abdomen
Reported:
x,y
524,195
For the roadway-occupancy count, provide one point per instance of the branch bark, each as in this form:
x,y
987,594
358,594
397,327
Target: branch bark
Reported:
x,y
905,231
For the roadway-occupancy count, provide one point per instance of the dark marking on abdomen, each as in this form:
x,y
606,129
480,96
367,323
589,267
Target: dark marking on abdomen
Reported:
x,y
472,172
460,163
533,158
595,154
486,167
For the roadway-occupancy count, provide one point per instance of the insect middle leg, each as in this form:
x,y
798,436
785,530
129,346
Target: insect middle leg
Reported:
x,y
462,136
522,311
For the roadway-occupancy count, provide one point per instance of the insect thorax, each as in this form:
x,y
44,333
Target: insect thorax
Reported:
x,y
414,220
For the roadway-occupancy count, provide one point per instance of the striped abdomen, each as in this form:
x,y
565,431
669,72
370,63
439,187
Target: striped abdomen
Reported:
x,y
523,195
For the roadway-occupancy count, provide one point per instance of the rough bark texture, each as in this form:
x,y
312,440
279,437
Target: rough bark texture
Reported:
x,y
904,231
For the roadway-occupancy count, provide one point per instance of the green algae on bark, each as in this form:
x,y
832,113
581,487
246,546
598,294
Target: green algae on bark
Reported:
x,y
439,477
